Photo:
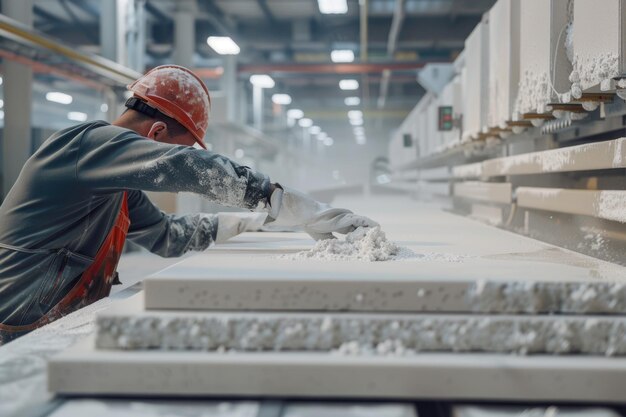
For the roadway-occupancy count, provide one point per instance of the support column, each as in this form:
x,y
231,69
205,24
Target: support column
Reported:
x,y
230,88
184,32
123,32
113,30
257,107
242,105
136,35
18,88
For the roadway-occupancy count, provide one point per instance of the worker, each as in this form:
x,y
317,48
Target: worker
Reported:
x,y
64,222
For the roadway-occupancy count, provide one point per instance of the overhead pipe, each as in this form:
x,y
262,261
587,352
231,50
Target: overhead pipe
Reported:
x,y
346,68
392,43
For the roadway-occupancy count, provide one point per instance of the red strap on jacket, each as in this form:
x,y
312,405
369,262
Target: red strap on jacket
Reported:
x,y
95,282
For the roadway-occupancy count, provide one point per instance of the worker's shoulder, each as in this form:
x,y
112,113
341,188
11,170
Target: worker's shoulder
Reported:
x,y
101,131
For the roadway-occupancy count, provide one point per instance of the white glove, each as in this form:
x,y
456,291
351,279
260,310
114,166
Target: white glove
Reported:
x,y
292,208
232,224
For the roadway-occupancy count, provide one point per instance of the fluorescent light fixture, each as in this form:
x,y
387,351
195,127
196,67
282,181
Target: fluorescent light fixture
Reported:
x,y
355,114
223,45
352,101
359,130
361,140
321,136
104,107
333,6
282,99
356,122
262,81
58,97
305,122
315,130
1,80
239,153
77,116
329,141
1,104
1,114
348,84
342,55
295,114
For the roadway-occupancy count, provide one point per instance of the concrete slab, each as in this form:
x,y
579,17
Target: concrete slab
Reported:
x,y
484,191
592,156
461,265
82,370
128,326
604,204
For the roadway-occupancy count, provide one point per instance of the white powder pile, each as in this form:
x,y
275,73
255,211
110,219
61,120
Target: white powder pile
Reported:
x,y
364,244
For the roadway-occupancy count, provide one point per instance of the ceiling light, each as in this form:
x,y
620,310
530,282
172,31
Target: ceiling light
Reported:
x,y
329,141
322,136
77,116
342,55
333,6
361,140
355,114
282,99
305,122
58,97
239,153
1,114
348,84
295,114
314,130
223,45
104,107
262,81
359,130
1,80
352,101
1,104
356,122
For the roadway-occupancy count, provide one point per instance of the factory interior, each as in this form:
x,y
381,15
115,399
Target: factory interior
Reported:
x,y
313,208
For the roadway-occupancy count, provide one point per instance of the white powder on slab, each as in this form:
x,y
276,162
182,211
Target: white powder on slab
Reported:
x,y
368,245
364,244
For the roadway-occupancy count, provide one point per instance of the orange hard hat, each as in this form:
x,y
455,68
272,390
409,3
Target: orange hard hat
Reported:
x,y
178,93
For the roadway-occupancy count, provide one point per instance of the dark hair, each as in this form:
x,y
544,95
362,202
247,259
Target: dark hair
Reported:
x,y
174,128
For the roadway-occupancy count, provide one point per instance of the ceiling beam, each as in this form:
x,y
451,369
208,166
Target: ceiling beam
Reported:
x,y
266,11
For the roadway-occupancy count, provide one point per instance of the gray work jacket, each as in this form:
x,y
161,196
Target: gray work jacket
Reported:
x,y
69,194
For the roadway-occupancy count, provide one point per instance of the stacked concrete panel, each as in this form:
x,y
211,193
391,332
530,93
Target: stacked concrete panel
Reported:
x,y
544,64
476,82
599,44
504,40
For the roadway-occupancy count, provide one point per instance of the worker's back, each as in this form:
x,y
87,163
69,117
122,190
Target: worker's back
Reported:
x,y
51,226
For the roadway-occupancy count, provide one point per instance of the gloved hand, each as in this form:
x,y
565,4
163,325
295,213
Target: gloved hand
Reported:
x,y
232,224
293,208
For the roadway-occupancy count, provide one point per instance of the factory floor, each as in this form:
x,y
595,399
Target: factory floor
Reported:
x,y
23,389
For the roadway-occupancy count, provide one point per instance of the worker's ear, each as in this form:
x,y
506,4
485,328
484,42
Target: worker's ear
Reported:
x,y
157,131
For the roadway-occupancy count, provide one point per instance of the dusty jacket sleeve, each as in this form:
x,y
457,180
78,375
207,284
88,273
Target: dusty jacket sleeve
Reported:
x,y
112,159
165,234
